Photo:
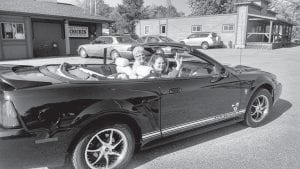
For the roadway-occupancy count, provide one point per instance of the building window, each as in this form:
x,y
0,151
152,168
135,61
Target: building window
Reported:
x,y
163,29
13,30
147,30
228,28
196,28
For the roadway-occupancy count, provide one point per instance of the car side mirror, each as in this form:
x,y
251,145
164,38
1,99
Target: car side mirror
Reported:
x,y
223,73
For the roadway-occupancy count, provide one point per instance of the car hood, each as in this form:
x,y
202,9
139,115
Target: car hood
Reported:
x,y
242,69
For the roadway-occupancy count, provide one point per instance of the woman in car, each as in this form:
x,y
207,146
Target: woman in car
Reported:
x,y
139,57
160,67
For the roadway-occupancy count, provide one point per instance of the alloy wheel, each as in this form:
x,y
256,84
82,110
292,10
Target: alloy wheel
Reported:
x,y
83,53
106,149
259,108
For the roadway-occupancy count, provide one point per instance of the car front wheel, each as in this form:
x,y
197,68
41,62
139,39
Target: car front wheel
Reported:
x,y
258,108
109,147
83,53
204,45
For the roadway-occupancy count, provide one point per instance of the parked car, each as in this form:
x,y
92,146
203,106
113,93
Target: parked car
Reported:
x,y
132,36
155,39
87,114
116,46
203,39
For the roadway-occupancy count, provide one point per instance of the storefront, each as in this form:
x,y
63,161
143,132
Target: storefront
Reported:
x,y
43,29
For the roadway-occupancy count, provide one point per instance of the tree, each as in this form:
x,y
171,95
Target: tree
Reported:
x,y
211,7
131,11
95,7
103,9
162,12
119,23
203,7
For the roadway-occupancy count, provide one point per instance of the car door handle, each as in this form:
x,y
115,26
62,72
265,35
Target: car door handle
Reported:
x,y
175,90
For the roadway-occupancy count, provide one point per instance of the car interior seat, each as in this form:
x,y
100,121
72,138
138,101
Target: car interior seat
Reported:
x,y
123,67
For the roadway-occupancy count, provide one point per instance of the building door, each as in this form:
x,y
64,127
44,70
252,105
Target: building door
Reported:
x,y
48,39
163,30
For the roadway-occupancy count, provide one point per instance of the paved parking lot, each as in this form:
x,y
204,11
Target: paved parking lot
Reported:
x,y
276,145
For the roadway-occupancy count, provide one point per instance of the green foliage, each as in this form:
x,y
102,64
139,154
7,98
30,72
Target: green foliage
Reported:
x,y
287,9
103,9
211,7
162,12
131,11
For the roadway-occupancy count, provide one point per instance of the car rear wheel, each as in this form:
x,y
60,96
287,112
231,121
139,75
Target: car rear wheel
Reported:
x,y
109,147
204,45
83,53
114,54
258,108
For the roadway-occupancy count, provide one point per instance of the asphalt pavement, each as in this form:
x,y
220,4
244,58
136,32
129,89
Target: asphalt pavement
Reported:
x,y
275,145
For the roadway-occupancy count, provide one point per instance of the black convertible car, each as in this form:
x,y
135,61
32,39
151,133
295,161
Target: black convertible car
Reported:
x,y
92,117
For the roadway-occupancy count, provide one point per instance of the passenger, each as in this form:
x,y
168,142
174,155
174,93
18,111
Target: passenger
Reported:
x,y
122,67
160,67
139,57
140,67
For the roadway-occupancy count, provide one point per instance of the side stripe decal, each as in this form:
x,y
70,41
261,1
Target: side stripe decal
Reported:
x,y
194,124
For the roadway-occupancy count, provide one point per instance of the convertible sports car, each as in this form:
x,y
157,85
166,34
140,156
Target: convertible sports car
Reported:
x,y
93,116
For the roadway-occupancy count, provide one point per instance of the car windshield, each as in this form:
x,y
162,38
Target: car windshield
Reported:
x,y
124,39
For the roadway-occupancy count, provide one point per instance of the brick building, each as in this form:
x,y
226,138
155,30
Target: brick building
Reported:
x,y
253,25
40,28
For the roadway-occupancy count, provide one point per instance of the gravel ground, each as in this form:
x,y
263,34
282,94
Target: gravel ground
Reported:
x,y
276,145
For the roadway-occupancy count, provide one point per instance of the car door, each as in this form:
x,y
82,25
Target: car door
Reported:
x,y
196,98
193,40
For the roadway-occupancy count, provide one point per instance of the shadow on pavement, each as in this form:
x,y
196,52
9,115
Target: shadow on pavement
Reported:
x,y
280,107
142,157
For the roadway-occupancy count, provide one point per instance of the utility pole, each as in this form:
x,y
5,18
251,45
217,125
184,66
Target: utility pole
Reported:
x,y
95,7
169,4
90,6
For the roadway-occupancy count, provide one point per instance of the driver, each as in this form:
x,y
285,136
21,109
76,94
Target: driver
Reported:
x,y
160,67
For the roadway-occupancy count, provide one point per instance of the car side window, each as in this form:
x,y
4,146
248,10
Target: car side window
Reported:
x,y
106,40
98,40
142,39
204,35
193,36
152,40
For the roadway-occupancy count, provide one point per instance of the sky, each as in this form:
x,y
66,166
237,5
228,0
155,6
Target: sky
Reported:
x,y
181,5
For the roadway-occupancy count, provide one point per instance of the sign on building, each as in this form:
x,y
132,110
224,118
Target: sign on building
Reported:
x,y
78,32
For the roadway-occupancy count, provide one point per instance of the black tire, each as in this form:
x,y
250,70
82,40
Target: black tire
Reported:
x,y
204,45
255,114
82,53
84,158
114,54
